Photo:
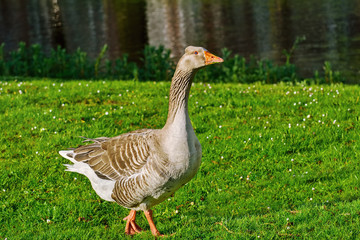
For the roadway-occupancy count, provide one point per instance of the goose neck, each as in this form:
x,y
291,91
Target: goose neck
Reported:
x,y
179,95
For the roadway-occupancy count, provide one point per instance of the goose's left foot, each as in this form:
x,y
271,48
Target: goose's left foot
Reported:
x,y
131,226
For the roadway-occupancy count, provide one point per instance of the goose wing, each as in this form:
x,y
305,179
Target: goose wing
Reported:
x,y
117,157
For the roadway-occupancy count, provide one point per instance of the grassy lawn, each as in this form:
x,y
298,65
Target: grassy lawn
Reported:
x,y
279,161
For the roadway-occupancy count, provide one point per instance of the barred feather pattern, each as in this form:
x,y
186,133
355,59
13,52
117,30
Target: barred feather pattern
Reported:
x,y
117,157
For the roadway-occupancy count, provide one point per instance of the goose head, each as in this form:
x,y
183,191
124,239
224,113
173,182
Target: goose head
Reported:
x,y
196,58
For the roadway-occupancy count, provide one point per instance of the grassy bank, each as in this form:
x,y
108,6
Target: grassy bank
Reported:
x,y
279,161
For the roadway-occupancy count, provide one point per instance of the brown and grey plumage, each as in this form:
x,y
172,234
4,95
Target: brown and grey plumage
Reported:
x,y
140,169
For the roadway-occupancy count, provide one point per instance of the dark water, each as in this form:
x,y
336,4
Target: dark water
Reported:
x,y
248,27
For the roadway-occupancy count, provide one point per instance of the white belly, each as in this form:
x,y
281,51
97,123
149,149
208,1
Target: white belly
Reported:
x,y
184,162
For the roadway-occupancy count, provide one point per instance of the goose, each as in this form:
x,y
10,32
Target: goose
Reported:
x,y
142,168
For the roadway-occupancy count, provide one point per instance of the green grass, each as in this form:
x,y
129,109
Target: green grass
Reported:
x,y
279,161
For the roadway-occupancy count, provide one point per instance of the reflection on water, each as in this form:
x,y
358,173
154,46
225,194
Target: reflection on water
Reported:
x,y
248,27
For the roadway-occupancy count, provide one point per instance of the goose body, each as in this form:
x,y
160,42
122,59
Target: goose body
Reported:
x,y
142,168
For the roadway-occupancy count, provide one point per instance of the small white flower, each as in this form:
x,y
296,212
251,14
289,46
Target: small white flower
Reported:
x,y
98,91
292,159
54,117
220,126
290,170
48,220
37,152
313,189
75,178
106,113
310,199
334,121
176,211
287,219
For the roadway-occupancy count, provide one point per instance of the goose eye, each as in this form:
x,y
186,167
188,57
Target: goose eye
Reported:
x,y
196,52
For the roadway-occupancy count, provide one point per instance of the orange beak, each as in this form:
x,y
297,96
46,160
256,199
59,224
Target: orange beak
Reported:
x,y
211,58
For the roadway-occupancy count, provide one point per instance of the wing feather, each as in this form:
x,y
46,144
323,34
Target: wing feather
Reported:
x,y
118,157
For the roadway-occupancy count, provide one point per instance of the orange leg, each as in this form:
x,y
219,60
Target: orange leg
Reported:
x,y
131,226
153,228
